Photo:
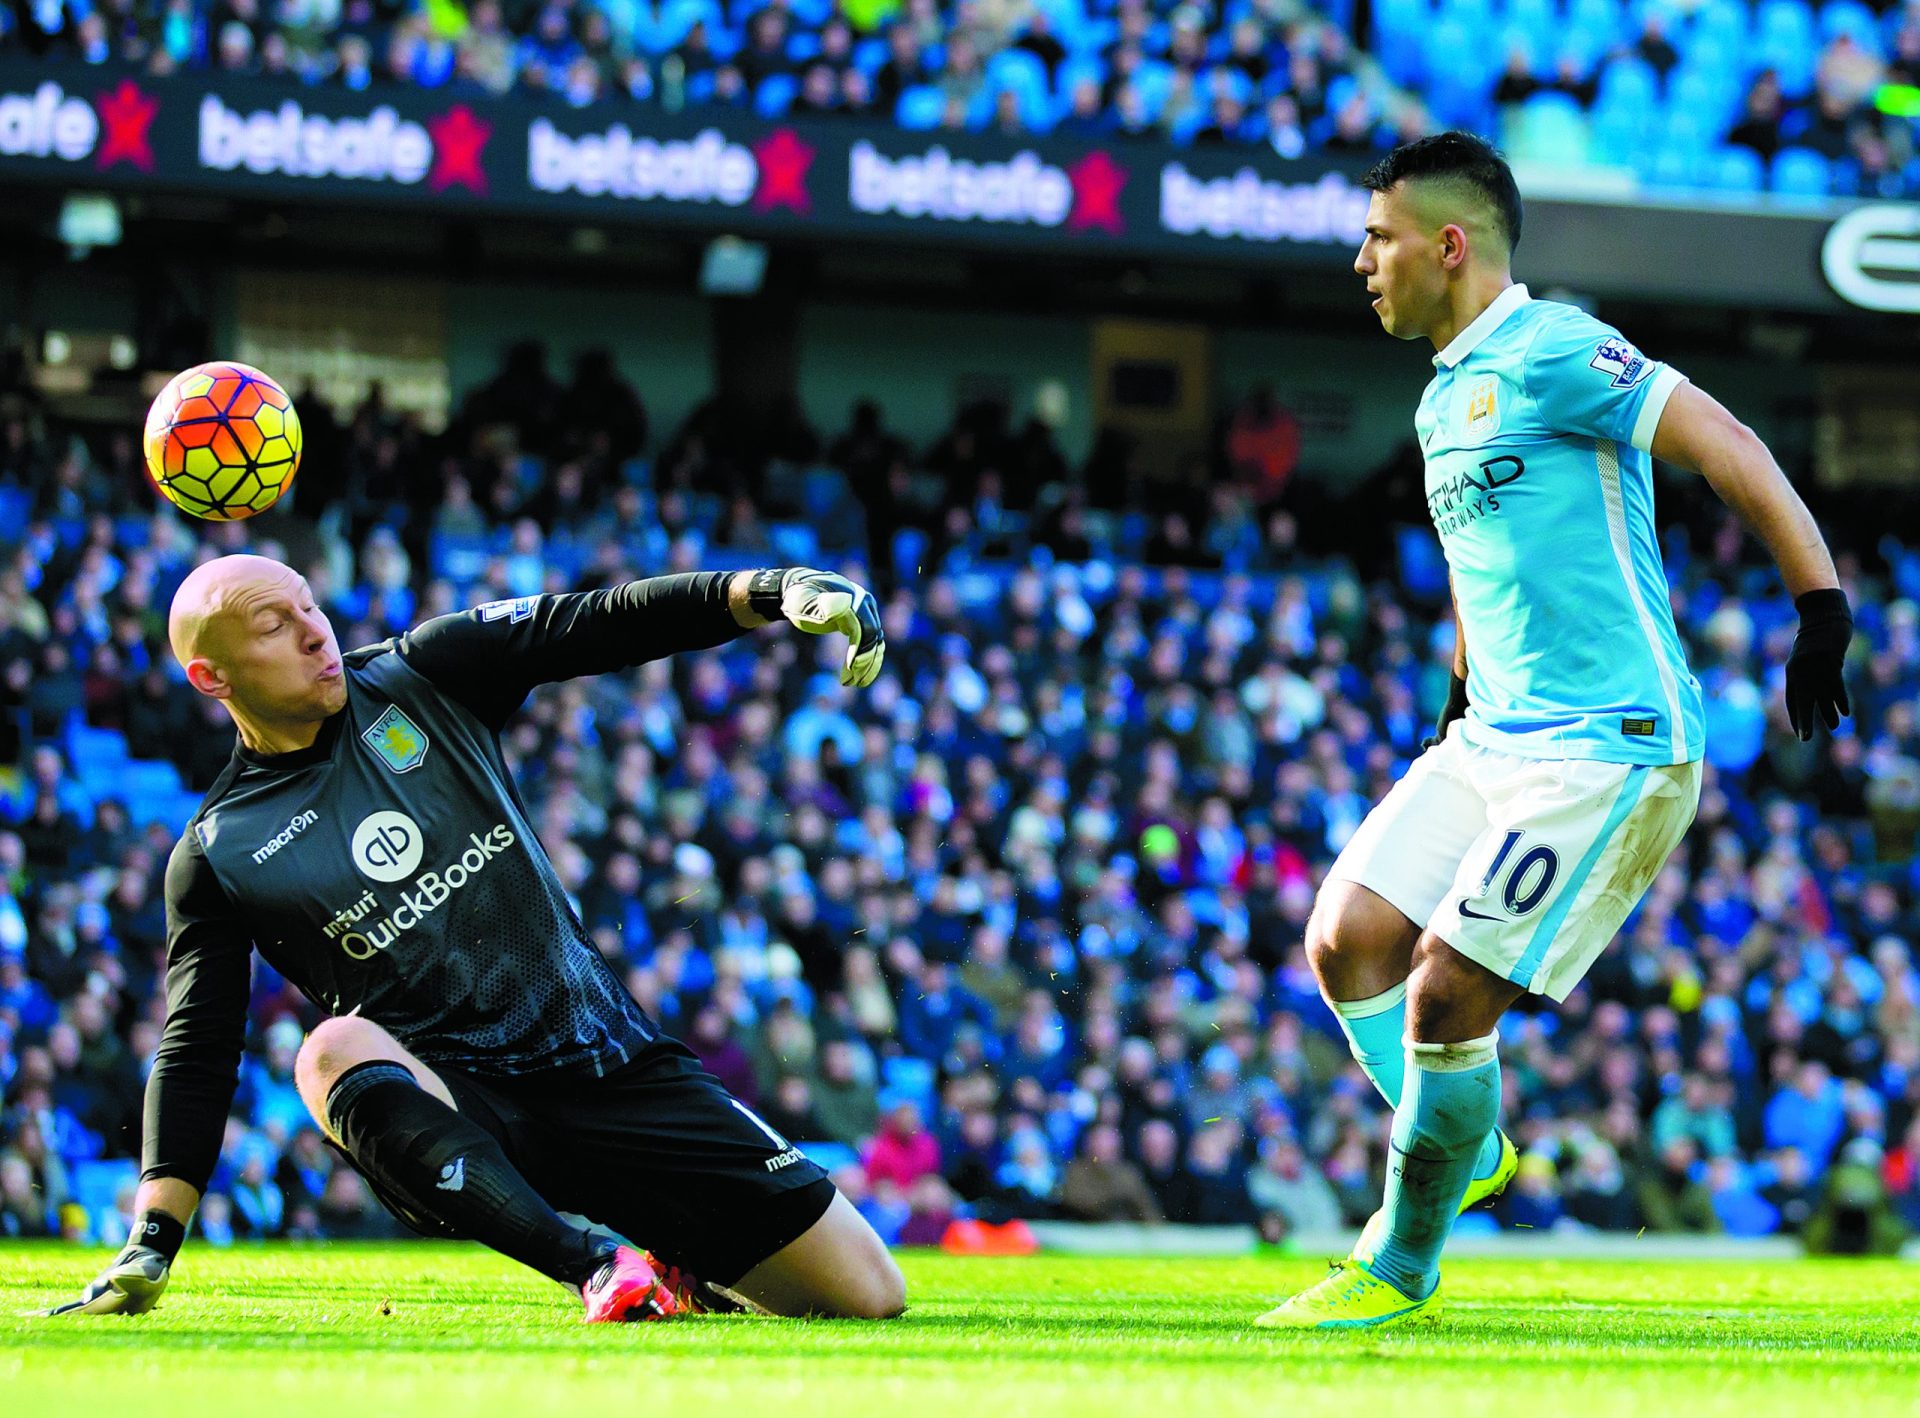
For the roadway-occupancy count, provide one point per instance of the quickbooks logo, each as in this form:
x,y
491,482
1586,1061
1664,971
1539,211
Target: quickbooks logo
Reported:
x,y
430,891
300,823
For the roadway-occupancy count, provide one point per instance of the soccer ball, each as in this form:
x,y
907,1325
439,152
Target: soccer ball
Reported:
x,y
223,441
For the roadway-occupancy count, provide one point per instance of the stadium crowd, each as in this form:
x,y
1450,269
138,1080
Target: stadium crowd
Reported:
x,y
1690,93
1017,932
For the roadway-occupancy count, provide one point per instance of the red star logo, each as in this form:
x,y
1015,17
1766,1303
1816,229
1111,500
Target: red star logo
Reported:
x,y
1097,181
459,143
125,116
784,160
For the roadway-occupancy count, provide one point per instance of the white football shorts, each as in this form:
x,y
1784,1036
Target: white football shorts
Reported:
x,y
1527,866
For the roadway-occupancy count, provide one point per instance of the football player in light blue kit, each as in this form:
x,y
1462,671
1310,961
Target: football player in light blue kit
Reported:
x,y
1567,765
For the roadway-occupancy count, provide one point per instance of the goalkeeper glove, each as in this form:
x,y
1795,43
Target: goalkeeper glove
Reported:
x,y
1456,709
1816,689
821,602
135,1280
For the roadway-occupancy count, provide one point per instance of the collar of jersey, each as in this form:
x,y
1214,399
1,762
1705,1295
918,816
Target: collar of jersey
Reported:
x,y
1484,324
318,751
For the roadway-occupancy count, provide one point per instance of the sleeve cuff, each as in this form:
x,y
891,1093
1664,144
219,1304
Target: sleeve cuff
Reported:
x,y
1659,389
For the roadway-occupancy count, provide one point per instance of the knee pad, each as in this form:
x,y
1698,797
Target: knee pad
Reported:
x,y
354,1084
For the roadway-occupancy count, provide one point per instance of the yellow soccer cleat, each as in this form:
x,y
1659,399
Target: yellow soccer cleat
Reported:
x,y
1351,1297
1485,1189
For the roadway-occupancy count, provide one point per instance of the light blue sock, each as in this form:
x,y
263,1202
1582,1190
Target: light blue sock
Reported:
x,y
1376,1031
1451,1102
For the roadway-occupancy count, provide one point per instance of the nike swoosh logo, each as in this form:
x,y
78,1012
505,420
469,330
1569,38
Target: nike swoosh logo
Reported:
x,y
1467,910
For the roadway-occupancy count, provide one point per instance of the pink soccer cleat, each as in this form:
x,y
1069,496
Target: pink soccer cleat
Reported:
x,y
628,1289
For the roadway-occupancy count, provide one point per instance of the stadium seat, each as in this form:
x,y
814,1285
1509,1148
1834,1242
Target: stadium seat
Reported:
x,y
96,755
1784,39
1022,73
1534,23
1400,28
1550,128
1602,17
1801,172
830,1157
1688,130
1676,167
909,1080
775,95
96,1187
1852,19
920,107
1629,83
1462,81
1617,135
1738,170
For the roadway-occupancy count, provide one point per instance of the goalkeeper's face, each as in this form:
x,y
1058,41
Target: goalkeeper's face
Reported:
x,y
1405,258
260,642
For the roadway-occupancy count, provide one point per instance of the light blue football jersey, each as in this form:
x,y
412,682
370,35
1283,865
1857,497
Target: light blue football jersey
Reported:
x,y
1536,430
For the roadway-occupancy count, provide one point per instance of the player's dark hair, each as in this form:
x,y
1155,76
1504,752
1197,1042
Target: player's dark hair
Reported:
x,y
1461,157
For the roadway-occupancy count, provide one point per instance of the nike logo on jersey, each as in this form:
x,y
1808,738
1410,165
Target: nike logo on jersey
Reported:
x,y
453,1176
1467,910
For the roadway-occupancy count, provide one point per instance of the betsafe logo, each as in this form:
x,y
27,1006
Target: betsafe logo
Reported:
x,y
1246,206
706,168
1023,189
51,123
448,150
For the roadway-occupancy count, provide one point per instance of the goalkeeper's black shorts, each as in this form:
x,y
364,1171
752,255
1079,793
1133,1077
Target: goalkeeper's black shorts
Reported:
x,y
656,1151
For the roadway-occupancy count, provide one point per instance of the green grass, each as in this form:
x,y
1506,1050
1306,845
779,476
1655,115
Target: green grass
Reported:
x,y
453,1332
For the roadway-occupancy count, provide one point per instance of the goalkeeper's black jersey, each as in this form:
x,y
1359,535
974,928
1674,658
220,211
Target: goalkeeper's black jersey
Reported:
x,y
390,870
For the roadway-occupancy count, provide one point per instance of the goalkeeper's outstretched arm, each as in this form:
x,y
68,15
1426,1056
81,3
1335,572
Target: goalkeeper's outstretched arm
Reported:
x,y
491,657
189,1092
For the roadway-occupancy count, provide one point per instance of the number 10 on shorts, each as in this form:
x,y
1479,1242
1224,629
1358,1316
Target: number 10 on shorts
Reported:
x,y
1529,876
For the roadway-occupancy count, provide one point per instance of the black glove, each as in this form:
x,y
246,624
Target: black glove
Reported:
x,y
133,1283
1816,689
820,602
1456,709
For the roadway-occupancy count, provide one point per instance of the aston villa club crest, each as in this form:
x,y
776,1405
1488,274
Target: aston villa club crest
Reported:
x,y
400,743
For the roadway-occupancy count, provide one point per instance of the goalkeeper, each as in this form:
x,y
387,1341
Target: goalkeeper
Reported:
x,y
482,1066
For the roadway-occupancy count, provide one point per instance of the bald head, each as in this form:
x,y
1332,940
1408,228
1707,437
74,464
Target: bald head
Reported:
x,y
216,598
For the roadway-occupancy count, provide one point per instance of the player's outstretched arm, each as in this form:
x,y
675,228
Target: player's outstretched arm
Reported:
x,y
135,1279
491,657
190,1090
1697,433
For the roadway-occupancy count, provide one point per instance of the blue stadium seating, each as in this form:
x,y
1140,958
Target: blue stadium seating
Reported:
x,y
920,107
1802,173
1852,19
775,95
1738,170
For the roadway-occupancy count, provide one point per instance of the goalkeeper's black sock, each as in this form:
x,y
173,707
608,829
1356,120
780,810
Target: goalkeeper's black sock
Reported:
x,y
443,1166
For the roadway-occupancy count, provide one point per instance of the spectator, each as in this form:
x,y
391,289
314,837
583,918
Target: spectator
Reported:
x,y
1761,116
1672,1195
1290,1195
902,1151
1101,1185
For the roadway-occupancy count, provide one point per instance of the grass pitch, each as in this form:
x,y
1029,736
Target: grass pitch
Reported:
x,y
454,1332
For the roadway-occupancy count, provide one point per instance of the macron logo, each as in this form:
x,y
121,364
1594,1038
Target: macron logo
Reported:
x,y
300,823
